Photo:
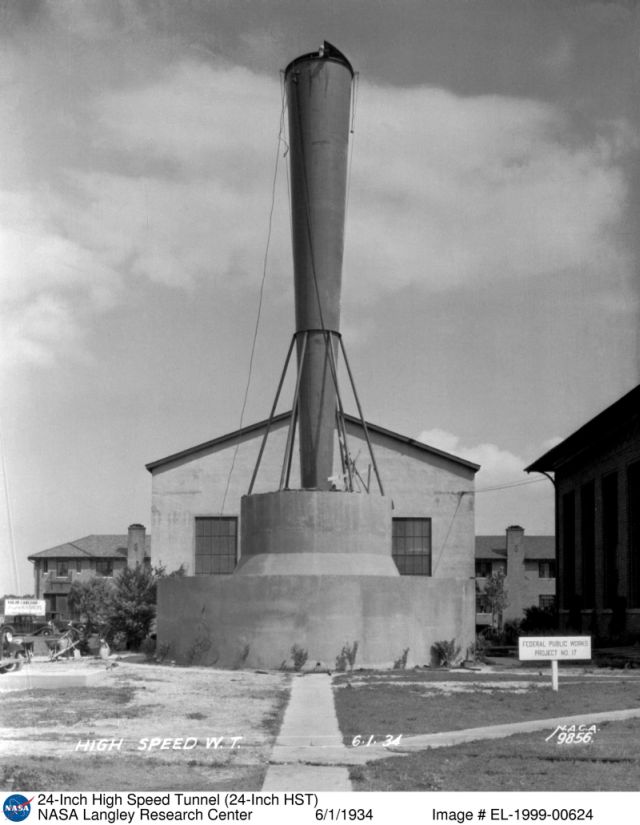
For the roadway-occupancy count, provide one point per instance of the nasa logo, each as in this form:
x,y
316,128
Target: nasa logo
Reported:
x,y
17,807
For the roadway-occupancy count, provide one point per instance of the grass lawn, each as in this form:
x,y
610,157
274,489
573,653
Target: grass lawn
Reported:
x,y
417,702
520,763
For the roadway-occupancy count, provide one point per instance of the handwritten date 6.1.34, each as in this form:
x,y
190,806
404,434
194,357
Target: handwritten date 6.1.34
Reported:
x,y
366,741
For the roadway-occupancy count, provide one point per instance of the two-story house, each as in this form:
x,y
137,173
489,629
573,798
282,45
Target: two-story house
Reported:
x,y
97,555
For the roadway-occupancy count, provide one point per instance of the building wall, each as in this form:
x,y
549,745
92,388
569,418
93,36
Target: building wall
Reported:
x,y
254,621
575,601
212,482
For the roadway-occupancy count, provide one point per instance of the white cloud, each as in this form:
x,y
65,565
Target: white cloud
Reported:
x,y
505,493
169,179
498,466
448,190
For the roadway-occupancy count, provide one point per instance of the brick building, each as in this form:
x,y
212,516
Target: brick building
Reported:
x,y
528,564
57,567
596,473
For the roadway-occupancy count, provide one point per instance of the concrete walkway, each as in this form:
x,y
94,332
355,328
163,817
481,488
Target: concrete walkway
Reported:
x,y
308,754
458,737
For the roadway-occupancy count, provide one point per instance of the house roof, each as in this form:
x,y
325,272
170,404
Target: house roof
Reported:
x,y
605,427
260,425
91,547
535,547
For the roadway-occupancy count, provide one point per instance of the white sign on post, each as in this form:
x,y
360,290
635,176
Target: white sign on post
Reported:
x,y
554,649
24,607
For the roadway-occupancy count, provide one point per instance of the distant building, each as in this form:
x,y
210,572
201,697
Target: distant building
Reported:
x,y
57,567
597,495
529,566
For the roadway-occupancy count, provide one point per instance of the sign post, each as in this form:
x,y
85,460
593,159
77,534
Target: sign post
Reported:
x,y
554,649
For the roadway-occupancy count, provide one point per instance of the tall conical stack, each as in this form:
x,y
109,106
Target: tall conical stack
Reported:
x,y
318,88
312,530
316,571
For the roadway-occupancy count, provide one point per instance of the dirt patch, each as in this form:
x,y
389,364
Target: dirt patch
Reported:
x,y
144,727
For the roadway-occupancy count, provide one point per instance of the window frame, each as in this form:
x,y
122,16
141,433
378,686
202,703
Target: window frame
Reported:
x,y
548,564
109,567
204,563
410,559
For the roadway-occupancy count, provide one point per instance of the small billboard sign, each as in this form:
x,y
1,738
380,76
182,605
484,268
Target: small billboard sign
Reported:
x,y
24,607
554,647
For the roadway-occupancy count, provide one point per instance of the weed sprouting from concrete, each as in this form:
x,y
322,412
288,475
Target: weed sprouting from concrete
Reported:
x,y
401,662
347,657
446,653
299,656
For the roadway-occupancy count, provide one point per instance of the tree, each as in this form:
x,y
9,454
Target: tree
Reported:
x,y
495,597
134,604
92,598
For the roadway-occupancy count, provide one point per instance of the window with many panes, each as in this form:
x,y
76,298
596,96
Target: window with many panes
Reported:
x,y
411,546
216,545
483,568
104,567
547,569
546,602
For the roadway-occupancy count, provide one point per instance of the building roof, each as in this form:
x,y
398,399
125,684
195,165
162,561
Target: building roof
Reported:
x,y
605,427
91,547
261,425
535,547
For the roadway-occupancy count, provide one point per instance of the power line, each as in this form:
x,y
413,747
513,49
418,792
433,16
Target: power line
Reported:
x,y
512,484
260,295
489,489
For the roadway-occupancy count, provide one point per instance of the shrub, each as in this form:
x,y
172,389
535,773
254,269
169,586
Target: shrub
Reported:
x,y
511,631
148,647
200,645
118,641
401,662
299,656
134,604
92,598
132,607
507,636
347,656
446,653
538,620
477,652
162,651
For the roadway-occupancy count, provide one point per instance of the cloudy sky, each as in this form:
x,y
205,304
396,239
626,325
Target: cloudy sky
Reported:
x,y
490,298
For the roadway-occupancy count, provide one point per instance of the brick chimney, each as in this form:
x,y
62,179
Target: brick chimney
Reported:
x,y
136,544
515,571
